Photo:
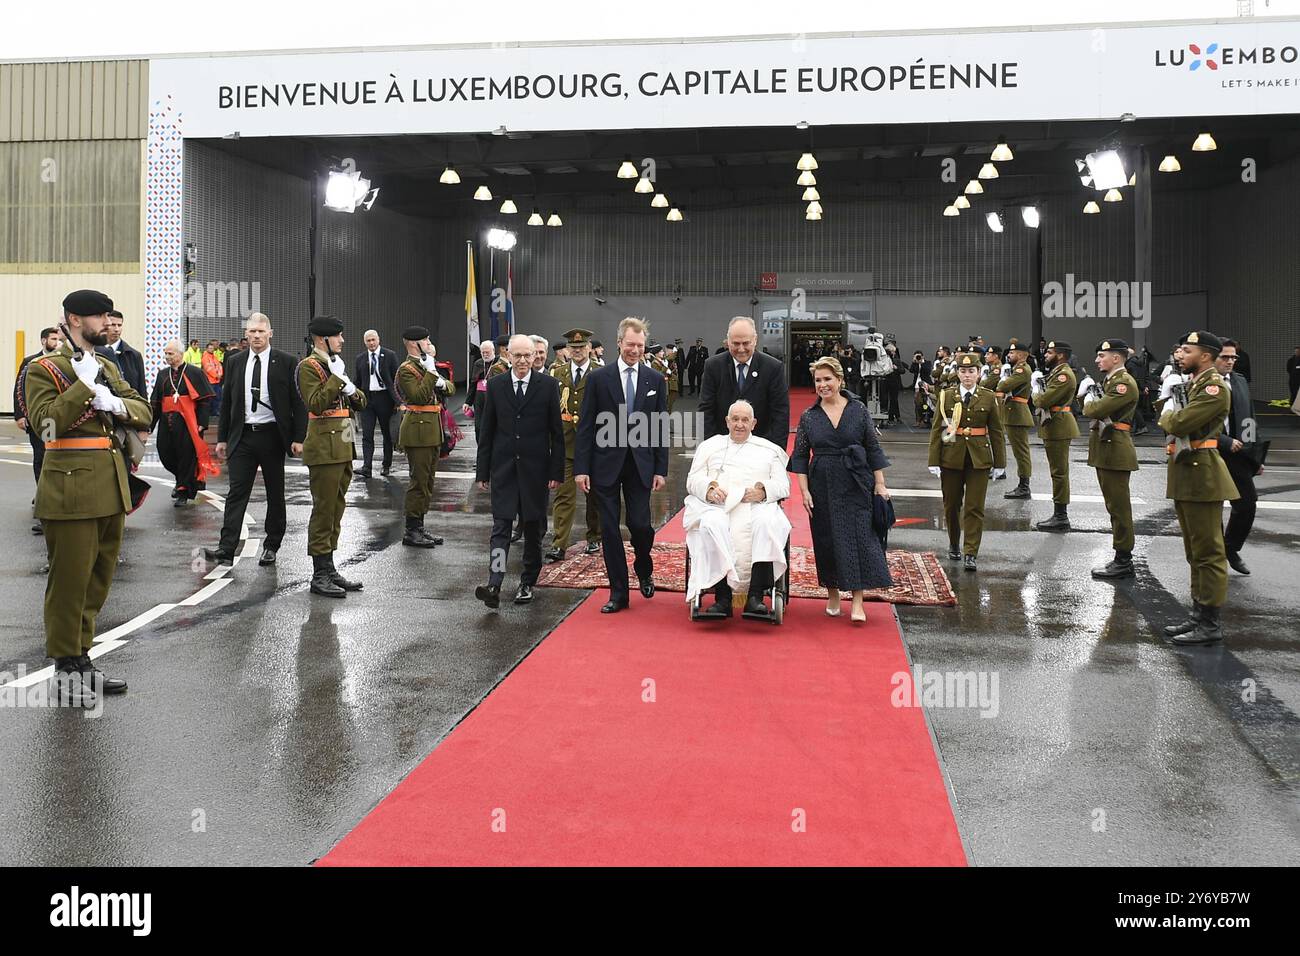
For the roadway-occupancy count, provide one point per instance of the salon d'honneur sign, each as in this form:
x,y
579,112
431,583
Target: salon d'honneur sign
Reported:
x,y
1228,68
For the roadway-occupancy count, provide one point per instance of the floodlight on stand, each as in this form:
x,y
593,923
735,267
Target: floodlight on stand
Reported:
x,y
994,219
811,193
806,161
674,215
951,211
1170,164
483,193
536,218
508,207
974,187
961,202
1091,207
1030,216
449,176
660,201
1113,195
1204,143
806,178
644,185
1106,169
345,190
369,201
627,170
1002,152
988,171
554,219
814,206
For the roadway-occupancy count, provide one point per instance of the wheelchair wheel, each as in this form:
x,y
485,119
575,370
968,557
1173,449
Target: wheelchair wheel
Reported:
x,y
778,606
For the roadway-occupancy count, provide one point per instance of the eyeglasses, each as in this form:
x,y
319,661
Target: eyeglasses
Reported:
x,y
1228,358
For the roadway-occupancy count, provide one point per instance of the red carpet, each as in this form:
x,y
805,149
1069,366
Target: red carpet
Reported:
x,y
762,745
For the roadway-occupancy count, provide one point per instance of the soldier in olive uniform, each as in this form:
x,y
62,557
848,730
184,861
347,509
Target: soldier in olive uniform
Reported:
x,y
572,377
1199,483
500,366
673,374
1016,416
966,441
1053,394
74,400
422,390
330,398
991,374
1110,405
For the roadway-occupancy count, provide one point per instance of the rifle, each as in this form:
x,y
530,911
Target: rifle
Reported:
x,y
1095,393
1178,401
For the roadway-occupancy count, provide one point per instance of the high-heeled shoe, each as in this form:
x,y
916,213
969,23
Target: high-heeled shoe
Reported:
x,y
859,620
833,606
835,613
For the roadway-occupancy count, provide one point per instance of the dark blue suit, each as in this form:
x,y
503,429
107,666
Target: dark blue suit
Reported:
x,y
626,464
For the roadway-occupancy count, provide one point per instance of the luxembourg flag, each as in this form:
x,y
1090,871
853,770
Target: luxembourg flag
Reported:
x,y
471,298
510,295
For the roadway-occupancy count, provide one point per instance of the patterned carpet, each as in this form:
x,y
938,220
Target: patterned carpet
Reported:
x,y
918,578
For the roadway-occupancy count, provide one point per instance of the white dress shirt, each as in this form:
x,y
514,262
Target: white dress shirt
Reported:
x,y
575,368
515,380
373,362
264,414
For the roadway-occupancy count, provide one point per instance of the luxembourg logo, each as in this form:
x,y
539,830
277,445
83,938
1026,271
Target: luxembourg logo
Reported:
x,y
1209,52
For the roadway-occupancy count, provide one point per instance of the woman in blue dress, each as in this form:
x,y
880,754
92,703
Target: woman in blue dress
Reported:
x,y
840,466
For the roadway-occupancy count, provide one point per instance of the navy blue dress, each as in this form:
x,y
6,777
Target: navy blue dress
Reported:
x,y
848,553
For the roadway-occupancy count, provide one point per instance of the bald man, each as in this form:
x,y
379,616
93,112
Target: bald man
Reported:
x,y
376,371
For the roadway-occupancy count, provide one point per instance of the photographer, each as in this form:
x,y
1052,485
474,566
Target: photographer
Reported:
x,y
921,388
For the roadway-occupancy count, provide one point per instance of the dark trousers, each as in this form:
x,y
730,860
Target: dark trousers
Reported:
x,y
177,454
499,550
38,453
478,412
256,449
693,377
1242,516
636,496
380,407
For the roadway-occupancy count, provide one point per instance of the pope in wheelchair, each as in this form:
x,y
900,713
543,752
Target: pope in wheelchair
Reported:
x,y
736,533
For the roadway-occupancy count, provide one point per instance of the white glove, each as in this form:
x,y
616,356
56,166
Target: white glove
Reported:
x,y
106,401
934,470
348,388
1006,373
998,473
86,367
1036,382
1167,386
1086,384
429,362
1166,372
337,367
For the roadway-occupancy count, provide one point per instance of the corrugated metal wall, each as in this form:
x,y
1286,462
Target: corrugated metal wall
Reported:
x,y
1254,233
99,99
70,207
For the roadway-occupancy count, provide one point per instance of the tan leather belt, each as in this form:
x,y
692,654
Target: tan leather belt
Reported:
x,y
1169,449
77,444
332,413
1017,398
1058,408
421,408
973,431
1121,426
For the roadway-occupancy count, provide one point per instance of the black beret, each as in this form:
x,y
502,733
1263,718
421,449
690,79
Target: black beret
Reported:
x,y
325,325
1206,340
1060,347
595,343
415,333
655,348
1113,345
1017,347
502,341
87,302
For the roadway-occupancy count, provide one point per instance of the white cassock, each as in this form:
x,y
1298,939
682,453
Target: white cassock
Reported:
x,y
728,538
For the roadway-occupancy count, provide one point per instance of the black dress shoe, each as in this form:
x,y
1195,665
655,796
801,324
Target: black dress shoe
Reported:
x,y
489,594
593,547
38,528
755,609
969,563
647,587
612,606
386,470
554,554
180,502
268,557
1235,562
524,595
954,554
322,583
362,473
219,556
416,538
71,686
1115,568
1187,626
518,535
104,685
717,611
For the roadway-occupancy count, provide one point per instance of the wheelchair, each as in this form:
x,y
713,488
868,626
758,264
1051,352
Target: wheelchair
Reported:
x,y
778,593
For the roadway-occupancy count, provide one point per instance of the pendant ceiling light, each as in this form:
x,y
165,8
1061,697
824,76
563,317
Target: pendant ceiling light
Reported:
x,y
1204,143
806,178
814,206
1091,207
811,193
988,171
674,215
644,185
961,202
1170,164
807,161
483,193
1002,152
536,218
813,216
554,220
951,211
660,201
627,170
449,176
508,207
1113,195
974,187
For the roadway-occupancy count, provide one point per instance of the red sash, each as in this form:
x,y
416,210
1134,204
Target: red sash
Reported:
x,y
183,405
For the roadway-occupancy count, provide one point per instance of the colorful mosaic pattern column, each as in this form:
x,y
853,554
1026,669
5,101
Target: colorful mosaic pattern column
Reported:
x,y
164,274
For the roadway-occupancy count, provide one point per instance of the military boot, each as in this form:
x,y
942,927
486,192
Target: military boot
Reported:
x,y
74,689
339,579
1208,630
1059,521
105,685
1185,627
321,581
1021,490
436,539
415,536
1121,566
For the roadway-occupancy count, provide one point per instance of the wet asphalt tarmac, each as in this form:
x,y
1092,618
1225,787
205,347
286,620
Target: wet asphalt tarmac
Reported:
x,y
264,722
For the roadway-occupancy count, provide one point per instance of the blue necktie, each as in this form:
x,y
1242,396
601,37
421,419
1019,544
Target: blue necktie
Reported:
x,y
374,368
740,377
631,389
